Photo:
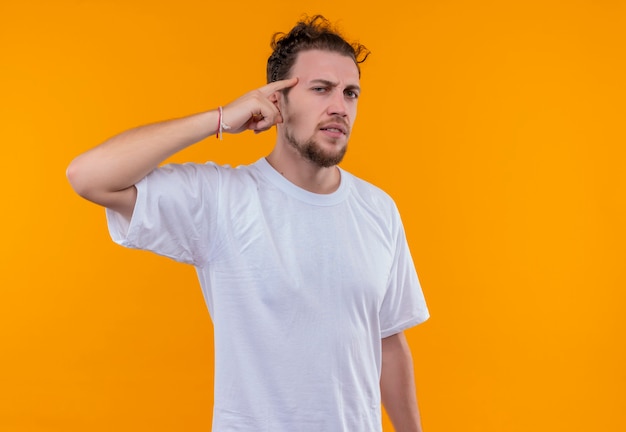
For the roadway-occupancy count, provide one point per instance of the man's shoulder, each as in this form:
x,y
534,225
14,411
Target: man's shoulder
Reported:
x,y
368,189
376,205
208,168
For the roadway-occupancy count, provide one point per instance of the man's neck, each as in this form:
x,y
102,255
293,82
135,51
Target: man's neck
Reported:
x,y
304,173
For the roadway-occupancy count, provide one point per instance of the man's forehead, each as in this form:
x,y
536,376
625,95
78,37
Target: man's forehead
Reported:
x,y
326,65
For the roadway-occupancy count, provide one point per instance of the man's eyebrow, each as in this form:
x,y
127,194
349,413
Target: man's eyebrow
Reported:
x,y
334,84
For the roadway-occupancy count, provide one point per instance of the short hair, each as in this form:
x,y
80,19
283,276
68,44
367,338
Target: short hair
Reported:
x,y
309,34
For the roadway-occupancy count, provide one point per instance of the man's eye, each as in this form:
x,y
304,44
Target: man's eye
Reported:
x,y
319,89
352,94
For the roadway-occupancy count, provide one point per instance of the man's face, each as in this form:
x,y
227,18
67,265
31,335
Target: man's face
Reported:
x,y
319,111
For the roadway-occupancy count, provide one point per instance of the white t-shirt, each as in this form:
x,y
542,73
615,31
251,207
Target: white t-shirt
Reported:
x,y
301,287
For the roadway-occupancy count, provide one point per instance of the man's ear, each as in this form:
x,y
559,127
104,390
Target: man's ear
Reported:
x,y
277,99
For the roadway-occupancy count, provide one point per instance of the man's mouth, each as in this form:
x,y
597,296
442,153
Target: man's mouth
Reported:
x,y
335,129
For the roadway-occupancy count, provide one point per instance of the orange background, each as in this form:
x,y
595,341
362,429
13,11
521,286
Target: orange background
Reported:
x,y
498,127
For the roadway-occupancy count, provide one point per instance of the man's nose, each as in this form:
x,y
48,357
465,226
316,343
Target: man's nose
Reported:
x,y
338,104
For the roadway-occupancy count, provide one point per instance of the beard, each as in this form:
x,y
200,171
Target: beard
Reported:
x,y
313,152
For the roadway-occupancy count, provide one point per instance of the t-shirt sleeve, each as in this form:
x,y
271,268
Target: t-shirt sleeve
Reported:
x,y
404,305
175,214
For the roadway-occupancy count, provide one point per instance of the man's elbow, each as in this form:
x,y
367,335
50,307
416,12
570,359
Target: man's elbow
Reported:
x,y
77,175
85,180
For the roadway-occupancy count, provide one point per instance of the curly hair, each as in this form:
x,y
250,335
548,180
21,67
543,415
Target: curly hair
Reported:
x,y
308,34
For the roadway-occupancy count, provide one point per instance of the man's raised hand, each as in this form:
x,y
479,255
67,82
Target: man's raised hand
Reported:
x,y
256,110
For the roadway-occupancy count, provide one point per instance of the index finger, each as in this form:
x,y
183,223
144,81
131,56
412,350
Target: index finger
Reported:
x,y
275,86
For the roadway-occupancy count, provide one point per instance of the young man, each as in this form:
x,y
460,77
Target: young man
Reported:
x,y
305,268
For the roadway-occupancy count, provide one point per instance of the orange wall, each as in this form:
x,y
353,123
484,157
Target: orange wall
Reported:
x,y
498,127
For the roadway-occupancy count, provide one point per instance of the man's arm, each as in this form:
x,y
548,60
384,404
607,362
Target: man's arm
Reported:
x,y
397,384
107,173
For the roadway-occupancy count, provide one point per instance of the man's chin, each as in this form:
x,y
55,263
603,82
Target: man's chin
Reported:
x,y
324,159
320,153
